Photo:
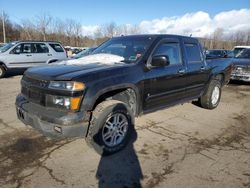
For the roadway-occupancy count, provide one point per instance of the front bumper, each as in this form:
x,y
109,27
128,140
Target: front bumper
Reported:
x,y
242,77
51,122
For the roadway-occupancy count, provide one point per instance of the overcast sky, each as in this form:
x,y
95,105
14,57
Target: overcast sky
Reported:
x,y
195,17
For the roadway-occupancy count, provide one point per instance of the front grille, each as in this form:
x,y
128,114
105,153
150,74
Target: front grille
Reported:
x,y
31,89
35,82
241,69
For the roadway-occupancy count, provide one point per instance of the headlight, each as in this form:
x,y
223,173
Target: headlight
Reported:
x,y
67,85
69,103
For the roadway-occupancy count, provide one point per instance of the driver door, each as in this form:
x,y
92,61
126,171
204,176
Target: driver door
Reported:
x,y
21,56
165,85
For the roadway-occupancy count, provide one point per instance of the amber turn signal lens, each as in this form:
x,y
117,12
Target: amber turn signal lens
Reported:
x,y
78,86
75,103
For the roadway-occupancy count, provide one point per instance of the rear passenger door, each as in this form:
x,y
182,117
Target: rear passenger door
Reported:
x,y
40,54
197,70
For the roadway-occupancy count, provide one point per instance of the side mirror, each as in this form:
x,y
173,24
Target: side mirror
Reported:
x,y
160,61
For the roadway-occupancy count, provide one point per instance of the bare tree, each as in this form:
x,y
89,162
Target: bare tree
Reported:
x,y
110,29
28,30
43,24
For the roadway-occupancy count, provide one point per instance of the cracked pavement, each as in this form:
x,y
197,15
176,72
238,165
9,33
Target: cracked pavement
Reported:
x,y
182,146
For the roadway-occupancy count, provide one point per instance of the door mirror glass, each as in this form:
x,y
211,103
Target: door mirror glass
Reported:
x,y
160,61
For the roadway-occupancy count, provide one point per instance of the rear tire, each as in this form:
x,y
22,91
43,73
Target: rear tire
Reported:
x,y
110,127
2,71
211,98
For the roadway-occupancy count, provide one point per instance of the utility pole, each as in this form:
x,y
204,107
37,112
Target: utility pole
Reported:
x,y
3,20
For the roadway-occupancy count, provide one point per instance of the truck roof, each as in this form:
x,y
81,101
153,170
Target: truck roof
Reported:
x,y
241,47
187,38
36,41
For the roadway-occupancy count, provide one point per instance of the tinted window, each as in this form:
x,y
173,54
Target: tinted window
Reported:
x,y
193,52
56,47
26,48
245,54
17,49
172,50
22,48
237,50
40,48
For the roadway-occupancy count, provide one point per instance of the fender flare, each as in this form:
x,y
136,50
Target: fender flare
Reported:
x,y
117,87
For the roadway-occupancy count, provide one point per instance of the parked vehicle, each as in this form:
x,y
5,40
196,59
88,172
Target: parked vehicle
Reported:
x,y
242,66
83,53
1,45
99,96
216,53
238,49
25,54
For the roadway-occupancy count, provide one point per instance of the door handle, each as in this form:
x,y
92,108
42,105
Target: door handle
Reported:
x,y
28,55
181,71
49,54
203,68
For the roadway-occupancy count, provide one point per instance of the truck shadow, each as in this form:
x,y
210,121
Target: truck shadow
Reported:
x,y
121,170
235,82
12,73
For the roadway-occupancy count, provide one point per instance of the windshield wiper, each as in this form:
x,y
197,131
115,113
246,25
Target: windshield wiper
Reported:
x,y
125,61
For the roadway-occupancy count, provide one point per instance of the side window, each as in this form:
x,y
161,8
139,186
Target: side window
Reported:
x,y
17,49
172,50
193,53
40,48
26,48
56,47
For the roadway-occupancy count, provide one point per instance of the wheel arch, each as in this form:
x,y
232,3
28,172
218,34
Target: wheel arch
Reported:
x,y
127,93
3,64
51,61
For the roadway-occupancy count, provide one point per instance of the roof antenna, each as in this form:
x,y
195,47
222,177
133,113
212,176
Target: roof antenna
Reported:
x,y
190,35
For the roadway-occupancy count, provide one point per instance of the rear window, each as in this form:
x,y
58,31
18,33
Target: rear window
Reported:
x,y
193,53
56,47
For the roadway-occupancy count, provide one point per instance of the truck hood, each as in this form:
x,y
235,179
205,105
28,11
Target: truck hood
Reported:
x,y
243,62
69,69
68,72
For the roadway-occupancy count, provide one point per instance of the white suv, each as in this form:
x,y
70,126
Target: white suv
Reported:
x,y
25,54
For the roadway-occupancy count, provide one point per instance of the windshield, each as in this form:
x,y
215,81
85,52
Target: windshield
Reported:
x,y
237,51
83,53
1,45
245,54
7,46
130,48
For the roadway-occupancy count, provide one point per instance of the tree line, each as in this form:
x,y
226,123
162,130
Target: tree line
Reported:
x,y
70,32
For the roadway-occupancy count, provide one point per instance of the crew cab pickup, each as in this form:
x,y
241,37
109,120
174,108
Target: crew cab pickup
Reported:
x,y
98,96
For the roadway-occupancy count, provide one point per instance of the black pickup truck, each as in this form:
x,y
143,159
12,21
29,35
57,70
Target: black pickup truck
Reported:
x,y
98,96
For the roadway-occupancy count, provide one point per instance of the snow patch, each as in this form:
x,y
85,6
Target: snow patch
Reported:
x,y
102,58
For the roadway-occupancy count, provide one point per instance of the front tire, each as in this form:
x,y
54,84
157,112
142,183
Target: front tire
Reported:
x,y
211,98
110,127
2,71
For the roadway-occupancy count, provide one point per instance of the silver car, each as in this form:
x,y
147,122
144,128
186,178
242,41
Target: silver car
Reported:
x,y
25,54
